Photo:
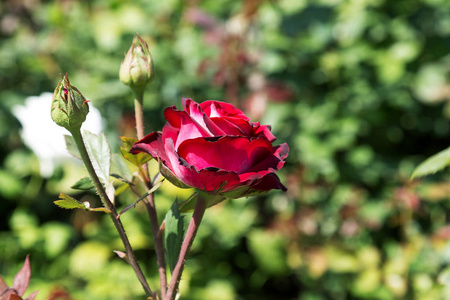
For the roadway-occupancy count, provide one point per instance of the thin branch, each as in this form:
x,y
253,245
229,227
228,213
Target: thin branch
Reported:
x,y
150,201
108,204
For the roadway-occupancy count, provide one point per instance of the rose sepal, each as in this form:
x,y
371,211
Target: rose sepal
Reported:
x,y
188,205
244,192
168,174
218,196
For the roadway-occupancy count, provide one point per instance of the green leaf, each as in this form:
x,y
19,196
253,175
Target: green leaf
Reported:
x,y
433,164
121,168
72,147
128,142
68,202
83,184
173,234
138,159
99,154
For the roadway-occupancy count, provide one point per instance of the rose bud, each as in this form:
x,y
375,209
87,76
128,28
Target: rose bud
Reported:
x,y
69,107
136,70
214,147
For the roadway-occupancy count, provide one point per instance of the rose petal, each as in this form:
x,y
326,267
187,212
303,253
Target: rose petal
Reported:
x,y
153,145
233,126
230,126
194,110
218,109
274,161
188,127
269,182
269,165
212,180
231,153
263,130
209,179
212,146
170,132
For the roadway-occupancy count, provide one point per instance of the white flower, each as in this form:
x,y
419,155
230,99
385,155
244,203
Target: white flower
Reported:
x,y
43,136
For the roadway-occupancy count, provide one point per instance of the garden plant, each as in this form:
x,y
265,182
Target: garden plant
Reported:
x,y
352,209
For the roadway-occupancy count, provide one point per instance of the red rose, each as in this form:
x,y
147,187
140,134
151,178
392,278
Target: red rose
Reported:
x,y
213,147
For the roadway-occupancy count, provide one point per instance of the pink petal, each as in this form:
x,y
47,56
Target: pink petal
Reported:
x,y
212,180
218,109
153,145
170,132
206,179
274,161
32,296
231,153
3,285
231,126
263,130
195,112
269,182
22,278
269,165
188,127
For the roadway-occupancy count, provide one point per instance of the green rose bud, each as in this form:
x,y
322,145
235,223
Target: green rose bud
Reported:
x,y
136,70
69,107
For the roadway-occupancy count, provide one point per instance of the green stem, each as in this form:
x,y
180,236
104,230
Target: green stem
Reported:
x,y
108,204
197,216
150,201
139,113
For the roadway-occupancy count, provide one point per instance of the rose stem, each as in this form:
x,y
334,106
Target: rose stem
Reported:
x,y
197,216
108,204
150,201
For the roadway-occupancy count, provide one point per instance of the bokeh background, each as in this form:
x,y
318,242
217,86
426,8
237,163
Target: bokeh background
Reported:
x,y
359,89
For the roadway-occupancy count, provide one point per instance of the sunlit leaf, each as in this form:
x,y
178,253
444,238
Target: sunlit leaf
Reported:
x,y
433,164
110,191
121,168
138,159
68,202
99,154
72,147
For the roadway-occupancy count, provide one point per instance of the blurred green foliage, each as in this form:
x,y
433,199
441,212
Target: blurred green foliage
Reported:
x,y
359,90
